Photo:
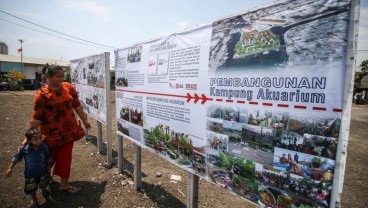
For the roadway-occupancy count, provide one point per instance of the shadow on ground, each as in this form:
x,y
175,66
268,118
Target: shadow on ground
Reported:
x,y
128,166
161,197
89,195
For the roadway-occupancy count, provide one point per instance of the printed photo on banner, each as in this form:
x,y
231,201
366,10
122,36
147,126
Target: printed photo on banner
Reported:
x,y
233,173
308,166
246,45
269,119
252,142
152,65
158,64
74,75
131,130
132,114
136,115
256,41
129,115
94,72
88,76
95,101
176,146
76,72
134,54
87,99
309,191
163,64
275,197
216,142
310,134
124,113
121,79
256,144
123,129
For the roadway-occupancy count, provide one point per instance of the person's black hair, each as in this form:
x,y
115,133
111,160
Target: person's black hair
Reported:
x,y
51,70
30,133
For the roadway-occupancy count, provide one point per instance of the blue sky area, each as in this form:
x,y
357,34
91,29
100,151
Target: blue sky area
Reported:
x,y
117,23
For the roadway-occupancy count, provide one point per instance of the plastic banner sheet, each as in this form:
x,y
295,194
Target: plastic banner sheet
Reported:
x,y
88,77
252,102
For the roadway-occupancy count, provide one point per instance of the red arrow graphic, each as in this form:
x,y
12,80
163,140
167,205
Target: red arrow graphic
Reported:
x,y
204,99
189,97
196,98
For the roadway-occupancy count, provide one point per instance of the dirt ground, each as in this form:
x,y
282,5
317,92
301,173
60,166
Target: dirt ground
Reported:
x,y
102,187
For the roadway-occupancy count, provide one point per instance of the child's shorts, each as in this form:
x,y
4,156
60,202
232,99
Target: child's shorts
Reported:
x,y
32,184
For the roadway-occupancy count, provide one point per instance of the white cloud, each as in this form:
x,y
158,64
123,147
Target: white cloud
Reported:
x,y
90,7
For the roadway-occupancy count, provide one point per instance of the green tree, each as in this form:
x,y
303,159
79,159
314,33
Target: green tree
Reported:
x,y
363,71
67,75
15,79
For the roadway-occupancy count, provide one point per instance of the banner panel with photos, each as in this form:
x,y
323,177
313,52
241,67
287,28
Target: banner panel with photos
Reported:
x,y
88,77
252,102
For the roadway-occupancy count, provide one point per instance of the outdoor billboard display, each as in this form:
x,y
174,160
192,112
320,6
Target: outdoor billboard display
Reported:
x,y
252,102
88,77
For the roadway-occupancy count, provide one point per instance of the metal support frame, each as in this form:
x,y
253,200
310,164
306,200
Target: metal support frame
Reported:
x,y
338,180
137,167
85,129
108,108
120,154
99,137
193,189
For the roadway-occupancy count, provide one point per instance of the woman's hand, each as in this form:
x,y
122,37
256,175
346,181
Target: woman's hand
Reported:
x,y
87,124
83,117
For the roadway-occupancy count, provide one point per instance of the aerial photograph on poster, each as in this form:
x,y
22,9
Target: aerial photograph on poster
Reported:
x,y
275,37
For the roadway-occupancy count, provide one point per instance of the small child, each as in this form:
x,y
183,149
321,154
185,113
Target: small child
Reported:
x,y
37,159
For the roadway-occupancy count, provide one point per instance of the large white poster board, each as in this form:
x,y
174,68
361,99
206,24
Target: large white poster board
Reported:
x,y
252,102
88,77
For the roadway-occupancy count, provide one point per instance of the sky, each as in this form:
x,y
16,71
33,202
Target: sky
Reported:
x,y
117,23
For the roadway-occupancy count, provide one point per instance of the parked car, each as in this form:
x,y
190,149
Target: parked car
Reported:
x,y
4,86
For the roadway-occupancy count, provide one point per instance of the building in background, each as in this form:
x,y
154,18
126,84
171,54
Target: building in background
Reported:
x,y
31,67
3,48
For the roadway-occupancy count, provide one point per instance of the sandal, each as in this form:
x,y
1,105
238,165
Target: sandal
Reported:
x,y
71,190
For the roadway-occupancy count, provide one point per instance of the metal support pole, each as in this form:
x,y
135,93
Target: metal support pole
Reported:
x,y
342,146
192,195
99,137
85,129
137,168
120,154
108,108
